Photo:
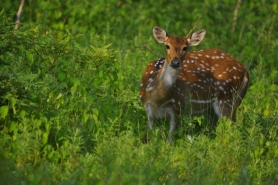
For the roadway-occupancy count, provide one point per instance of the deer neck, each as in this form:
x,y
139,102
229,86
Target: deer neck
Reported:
x,y
160,88
169,75
166,80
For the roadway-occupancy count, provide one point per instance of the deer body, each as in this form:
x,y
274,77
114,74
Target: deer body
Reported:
x,y
196,82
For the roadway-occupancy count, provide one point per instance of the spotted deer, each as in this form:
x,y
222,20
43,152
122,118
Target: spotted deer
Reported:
x,y
209,82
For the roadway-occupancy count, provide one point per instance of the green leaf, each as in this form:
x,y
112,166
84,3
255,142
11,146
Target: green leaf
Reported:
x,y
76,82
22,113
85,117
73,90
64,154
66,143
12,126
95,118
4,111
59,96
45,137
266,112
50,154
95,111
107,46
13,102
62,76
38,123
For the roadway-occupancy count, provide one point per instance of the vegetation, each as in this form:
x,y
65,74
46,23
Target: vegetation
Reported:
x,y
69,94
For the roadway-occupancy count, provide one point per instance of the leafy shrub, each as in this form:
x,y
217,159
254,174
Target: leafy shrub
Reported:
x,y
69,106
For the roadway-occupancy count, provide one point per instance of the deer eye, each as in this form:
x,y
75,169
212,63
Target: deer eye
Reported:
x,y
167,47
184,48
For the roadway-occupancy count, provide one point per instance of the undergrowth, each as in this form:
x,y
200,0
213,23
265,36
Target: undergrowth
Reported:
x,y
69,101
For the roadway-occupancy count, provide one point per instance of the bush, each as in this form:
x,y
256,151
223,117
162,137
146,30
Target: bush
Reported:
x,y
69,106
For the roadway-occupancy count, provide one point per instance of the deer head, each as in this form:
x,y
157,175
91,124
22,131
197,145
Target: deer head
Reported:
x,y
177,46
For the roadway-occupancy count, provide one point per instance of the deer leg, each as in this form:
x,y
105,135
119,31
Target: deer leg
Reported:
x,y
212,117
216,108
173,125
150,125
150,113
223,109
229,112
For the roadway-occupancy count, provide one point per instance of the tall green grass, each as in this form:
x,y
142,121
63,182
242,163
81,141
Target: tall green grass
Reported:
x,y
69,101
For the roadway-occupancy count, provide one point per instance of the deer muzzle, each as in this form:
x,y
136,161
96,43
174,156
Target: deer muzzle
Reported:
x,y
175,63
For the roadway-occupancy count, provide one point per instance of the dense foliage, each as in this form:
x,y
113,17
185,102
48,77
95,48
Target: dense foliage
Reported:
x,y
69,106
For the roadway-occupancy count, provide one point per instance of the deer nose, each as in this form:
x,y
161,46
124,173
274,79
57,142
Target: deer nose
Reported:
x,y
175,63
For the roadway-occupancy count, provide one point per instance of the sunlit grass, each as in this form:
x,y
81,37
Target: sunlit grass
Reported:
x,y
70,111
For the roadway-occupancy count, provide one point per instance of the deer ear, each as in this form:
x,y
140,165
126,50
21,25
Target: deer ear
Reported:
x,y
197,37
159,34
